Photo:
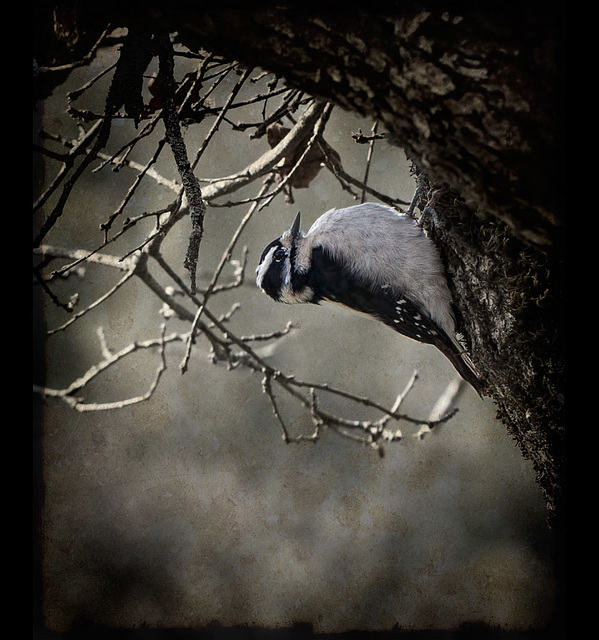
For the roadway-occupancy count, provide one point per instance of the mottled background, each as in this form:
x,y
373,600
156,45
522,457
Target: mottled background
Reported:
x,y
190,509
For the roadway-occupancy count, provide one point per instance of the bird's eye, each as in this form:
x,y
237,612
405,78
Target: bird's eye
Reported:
x,y
279,255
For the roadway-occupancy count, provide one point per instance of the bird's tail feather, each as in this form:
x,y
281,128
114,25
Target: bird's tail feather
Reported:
x,y
464,365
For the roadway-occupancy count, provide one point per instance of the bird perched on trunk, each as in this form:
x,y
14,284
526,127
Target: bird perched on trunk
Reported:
x,y
375,261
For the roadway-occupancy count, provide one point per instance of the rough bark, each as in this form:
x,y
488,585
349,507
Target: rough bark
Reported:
x,y
509,297
475,101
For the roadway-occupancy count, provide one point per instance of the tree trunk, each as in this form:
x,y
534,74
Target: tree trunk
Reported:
x,y
474,100
508,296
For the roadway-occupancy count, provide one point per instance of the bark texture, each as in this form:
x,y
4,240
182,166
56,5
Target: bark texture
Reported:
x,y
474,99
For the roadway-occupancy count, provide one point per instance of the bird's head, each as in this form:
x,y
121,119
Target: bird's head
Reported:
x,y
278,274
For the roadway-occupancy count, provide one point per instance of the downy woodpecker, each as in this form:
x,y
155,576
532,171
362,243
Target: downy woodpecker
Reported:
x,y
375,261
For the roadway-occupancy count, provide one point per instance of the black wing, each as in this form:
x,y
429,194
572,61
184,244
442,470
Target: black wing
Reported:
x,y
331,281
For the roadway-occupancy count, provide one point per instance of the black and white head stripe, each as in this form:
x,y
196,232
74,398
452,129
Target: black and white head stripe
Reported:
x,y
278,273
274,271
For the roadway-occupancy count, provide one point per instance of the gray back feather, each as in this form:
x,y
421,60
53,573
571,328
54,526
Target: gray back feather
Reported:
x,y
383,248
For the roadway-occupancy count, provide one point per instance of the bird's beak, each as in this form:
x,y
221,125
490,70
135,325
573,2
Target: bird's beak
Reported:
x,y
295,227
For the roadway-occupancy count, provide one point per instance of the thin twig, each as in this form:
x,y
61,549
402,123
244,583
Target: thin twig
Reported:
x,y
316,134
86,59
368,160
133,57
78,148
96,303
226,256
334,165
68,394
268,160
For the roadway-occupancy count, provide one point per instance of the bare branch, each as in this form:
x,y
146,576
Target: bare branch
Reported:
x,y
86,59
67,395
268,160
369,157
95,303
77,148
442,407
191,185
224,259
132,62
316,134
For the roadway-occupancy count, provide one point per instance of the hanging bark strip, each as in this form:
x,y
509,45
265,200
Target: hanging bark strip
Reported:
x,y
191,186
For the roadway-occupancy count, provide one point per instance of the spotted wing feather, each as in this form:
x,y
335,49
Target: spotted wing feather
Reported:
x,y
333,282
